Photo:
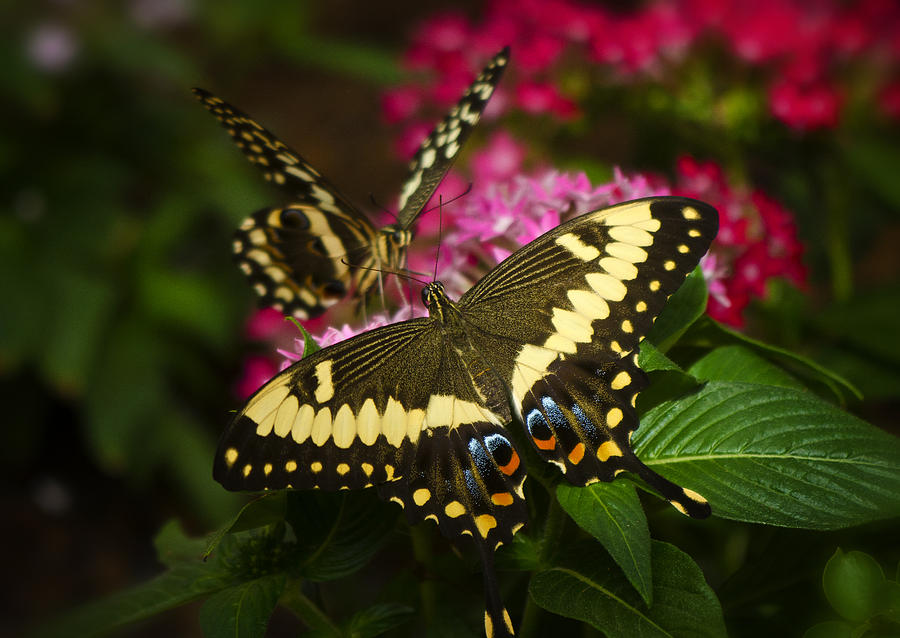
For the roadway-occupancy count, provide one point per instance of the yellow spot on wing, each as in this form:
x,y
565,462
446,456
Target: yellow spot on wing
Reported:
x,y
414,424
264,427
368,422
368,468
316,467
485,523
614,417
627,252
619,268
342,468
284,418
454,509
628,214
231,455
344,427
691,494
606,286
689,212
325,388
620,381
421,496
303,422
290,466
631,235
588,304
266,401
393,422
607,450
572,325
321,427
574,245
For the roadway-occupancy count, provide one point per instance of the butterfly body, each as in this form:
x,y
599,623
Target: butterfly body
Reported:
x,y
307,255
419,409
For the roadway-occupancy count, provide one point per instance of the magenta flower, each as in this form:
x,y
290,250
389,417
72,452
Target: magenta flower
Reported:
x,y
803,50
805,107
757,241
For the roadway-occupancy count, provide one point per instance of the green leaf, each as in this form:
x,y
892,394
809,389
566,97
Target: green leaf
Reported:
x,y
340,532
265,510
739,363
830,629
612,513
378,619
242,611
651,359
774,455
585,585
852,584
169,590
684,307
708,333
668,379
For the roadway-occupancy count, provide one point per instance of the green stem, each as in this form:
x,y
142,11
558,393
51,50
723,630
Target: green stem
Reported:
x,y
293,599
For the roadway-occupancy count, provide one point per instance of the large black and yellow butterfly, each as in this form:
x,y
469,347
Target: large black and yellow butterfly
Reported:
x,y
303,257
419,408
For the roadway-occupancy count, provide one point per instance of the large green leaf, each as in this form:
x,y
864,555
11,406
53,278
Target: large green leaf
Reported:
x,y
612,513
586,585
242,611
774,455
708,334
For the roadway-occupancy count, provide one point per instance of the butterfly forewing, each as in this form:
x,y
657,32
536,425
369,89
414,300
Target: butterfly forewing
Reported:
x,y
437,152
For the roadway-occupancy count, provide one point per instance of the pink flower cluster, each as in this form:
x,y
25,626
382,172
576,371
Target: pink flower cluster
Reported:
x,y
804,47
757,240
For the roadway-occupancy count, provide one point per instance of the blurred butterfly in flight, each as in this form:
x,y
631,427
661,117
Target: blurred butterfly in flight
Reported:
x,y
302,257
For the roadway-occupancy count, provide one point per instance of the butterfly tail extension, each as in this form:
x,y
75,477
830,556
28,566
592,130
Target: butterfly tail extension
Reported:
x,y
686,501
497,623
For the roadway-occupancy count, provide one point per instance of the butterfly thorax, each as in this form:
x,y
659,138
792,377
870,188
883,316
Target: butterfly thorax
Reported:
x,y
439,305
